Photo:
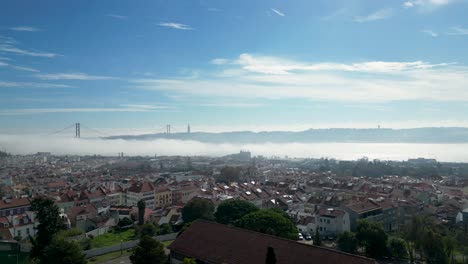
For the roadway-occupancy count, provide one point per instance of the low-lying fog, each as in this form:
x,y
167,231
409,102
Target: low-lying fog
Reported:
x,y
27,144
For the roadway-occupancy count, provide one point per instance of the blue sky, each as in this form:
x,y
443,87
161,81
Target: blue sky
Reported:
x,y
231,65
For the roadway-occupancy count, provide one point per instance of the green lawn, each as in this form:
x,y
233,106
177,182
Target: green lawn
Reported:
x,y
113,238
106,257
167,243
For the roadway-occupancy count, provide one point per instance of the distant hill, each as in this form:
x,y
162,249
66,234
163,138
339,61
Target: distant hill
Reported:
x,y
339,135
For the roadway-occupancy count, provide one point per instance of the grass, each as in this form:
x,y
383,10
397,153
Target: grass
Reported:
x,y
113,238
167,243
107,257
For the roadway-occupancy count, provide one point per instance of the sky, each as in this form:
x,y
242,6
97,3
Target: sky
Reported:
x,y
134,66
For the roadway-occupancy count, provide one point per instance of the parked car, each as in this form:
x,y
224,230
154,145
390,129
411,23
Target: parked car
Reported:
x,y
307,236
300,237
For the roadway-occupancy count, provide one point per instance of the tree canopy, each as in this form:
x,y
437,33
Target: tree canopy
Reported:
x,y
230,211
197,208
63,252
372,237
148,251
50,224
228,175
141,212
269,222
347,242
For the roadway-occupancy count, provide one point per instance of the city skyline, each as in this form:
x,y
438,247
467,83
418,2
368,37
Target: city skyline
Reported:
x,y
220,66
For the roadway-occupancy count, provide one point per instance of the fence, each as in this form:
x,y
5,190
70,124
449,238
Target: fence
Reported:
x,y
124,246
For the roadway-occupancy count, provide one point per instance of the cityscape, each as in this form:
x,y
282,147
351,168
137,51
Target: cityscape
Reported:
x,y
233,132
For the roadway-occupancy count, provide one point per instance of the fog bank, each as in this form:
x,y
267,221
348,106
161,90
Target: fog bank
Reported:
x,y
27,144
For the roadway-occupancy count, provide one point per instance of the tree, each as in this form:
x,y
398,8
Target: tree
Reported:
x,y
197,208
230,211
148,230
63,252
148,251
50,223
141,212
189,261
397,248
433,248
317,240
271,256
347,242
269,222
372,237
125,222
228,175
165,229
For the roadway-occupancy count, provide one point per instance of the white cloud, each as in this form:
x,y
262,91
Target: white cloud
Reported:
x,y
276,11
427,5
145,106
458,31
175,25
5,84
430,33
276,78
408,4
12,49
30,144
378,15
117,16
25,28
232,105
32,111
22,68
219,61
72,76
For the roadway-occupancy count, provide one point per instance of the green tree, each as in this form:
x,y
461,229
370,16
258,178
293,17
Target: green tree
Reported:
x,y
189,261
165,229
433,248
125,222
347,242
197,208
397,248
317,240
141,212
228,175
230,211
372,237
50,223
148,251
269,222
148,230
63,252
271,256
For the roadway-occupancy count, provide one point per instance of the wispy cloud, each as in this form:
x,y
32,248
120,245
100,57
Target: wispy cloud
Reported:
x,y
214,9
146,106
72,76
377,15
175,25
6,84
22,68
219,61
276,11
12,49
25,28
430,33
117,16
458,31
232,105
277,78
427,5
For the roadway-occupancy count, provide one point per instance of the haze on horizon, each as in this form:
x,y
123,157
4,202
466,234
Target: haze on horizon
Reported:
x,y
124,67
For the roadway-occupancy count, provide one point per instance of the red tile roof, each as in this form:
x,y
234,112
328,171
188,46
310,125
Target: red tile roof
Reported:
x,y
215,243
141,187
16,202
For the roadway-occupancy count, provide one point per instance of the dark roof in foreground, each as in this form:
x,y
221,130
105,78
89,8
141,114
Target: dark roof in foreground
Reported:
x,y
215,243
